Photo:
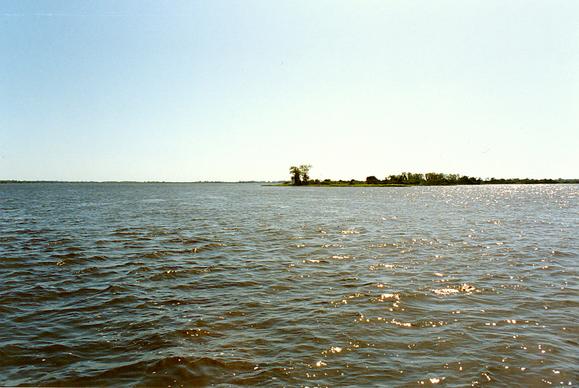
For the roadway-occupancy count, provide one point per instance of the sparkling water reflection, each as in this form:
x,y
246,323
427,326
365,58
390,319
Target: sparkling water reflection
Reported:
x,y
195,284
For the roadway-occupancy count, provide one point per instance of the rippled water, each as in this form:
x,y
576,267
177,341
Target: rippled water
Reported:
x,y
200,284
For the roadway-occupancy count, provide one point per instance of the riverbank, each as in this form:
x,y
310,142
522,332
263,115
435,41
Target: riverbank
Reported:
x,y
362,184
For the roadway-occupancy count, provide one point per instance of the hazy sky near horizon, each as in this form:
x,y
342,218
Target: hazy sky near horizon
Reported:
x,y
241,90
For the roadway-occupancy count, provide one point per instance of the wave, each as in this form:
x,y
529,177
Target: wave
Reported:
x,y
163,371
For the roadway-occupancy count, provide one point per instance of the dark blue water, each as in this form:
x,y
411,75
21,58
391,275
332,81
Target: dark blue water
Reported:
x,y
219,284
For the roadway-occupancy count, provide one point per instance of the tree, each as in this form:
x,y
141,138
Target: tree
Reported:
x,y
305,170
296,173
372,180
300,175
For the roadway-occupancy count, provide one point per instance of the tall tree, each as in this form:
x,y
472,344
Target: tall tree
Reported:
x,y
305,169
296,172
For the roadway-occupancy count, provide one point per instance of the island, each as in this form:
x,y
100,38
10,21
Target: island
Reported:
x,y
299,176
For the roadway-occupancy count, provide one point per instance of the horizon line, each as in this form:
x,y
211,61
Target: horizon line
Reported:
x,y
3,181
7,181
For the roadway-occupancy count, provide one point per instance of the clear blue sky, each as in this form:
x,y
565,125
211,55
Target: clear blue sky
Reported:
x,y
239,90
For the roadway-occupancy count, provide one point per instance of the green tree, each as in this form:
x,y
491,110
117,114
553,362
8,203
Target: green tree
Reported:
x,y
305,170
296,173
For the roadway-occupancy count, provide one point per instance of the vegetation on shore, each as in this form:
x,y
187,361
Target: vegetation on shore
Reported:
x,y
300,177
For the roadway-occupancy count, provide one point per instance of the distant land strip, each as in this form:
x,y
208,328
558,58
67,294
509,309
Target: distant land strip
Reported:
x,y
402,180
301,178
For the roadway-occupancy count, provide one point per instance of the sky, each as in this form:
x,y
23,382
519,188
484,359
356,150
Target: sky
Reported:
x,y
242,90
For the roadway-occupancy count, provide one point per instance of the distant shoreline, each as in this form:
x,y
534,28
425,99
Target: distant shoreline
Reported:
x,y
288,184
300,177
140,182
562,182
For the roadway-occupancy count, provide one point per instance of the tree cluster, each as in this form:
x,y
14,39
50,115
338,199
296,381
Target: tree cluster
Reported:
x,y
300,174
300,177
428,179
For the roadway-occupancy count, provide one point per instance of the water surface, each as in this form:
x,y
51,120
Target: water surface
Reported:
x,y
218,284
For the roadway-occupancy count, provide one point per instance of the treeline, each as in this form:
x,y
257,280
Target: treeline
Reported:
x,y
430,179
300,177
440,179
407,179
